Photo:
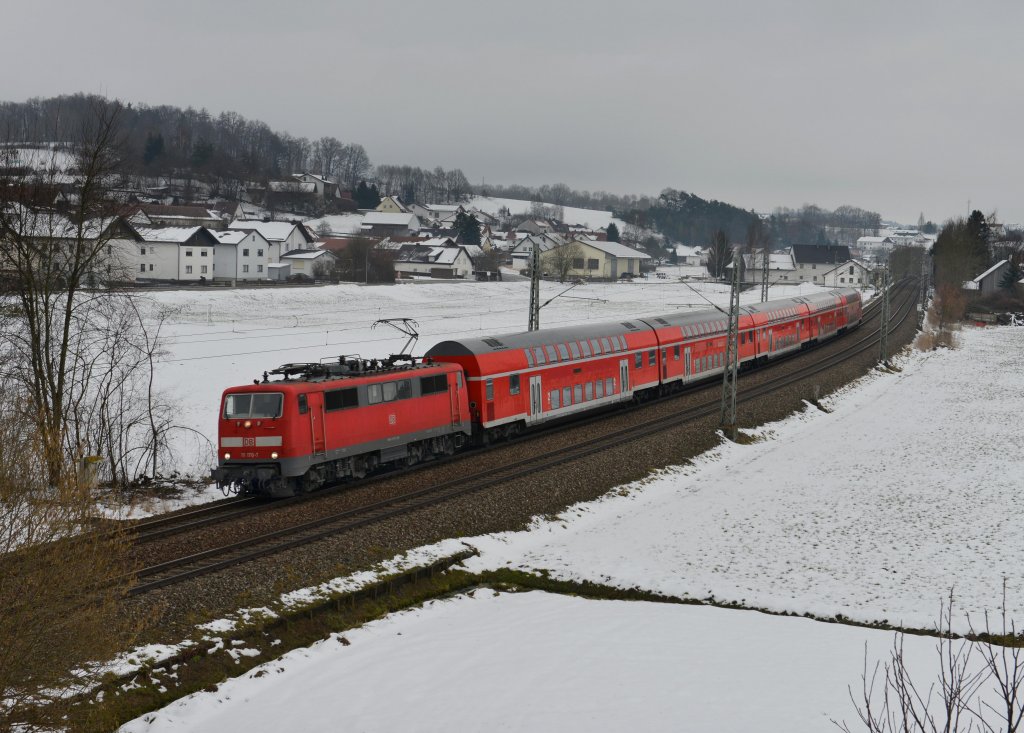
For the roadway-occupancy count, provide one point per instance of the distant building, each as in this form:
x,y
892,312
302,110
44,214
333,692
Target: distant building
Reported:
x,y
241,255
382,224
987,283
176,253
813,261
304,261
597,260
392,205
282,236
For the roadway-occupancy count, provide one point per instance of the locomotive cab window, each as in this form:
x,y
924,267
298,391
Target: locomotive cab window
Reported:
x,y
435,384
254,404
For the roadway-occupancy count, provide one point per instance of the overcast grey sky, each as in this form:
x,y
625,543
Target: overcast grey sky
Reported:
x,y
901,107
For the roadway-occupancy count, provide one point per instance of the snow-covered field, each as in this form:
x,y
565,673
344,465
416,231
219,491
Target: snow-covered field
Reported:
x,y
540,662
219,338
909,486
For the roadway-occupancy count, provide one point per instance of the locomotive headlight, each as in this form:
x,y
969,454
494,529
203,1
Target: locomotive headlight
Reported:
x,y
227,456
274,455
248,423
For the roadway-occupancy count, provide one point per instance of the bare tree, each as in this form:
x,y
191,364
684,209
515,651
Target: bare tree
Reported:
x,y
719,254
59,587
564,259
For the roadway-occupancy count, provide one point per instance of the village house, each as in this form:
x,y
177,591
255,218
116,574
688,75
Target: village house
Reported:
x,y
851,273
392,205
324,188
813,261
241,255
594,259
522,251
309,262
781,267
437,258
282,236
988,282
160,215
176,253
687,255
381,224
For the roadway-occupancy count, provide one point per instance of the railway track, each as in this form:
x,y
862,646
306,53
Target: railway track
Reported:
x,y
238,507
219,558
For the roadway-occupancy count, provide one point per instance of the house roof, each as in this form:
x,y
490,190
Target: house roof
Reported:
x,y
164,211
616,250
172,235
811,254
437,255
305,254
381,218
273,231
989,271
684,250
776,261
230,236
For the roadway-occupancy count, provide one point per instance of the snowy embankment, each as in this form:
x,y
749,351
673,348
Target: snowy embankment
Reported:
x,y
909,486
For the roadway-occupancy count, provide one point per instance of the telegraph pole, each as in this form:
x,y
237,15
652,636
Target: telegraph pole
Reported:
x,y
924,288
764,272
535,288
727,414
883,357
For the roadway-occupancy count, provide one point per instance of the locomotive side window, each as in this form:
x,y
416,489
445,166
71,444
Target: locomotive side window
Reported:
x,y
404,389
435,384
389,390
339,399
374,394
303,404
513,384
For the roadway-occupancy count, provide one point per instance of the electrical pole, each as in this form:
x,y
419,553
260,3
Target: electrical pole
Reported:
x,y
727,414
764,272
883,357
924,288
535,287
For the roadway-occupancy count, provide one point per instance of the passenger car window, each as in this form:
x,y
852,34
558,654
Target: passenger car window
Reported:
x,y
513,384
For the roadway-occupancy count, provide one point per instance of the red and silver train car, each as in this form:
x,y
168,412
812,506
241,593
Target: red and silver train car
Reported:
x,y
323,422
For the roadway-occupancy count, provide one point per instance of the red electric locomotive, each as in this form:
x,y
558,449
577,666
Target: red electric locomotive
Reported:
x,y
322,422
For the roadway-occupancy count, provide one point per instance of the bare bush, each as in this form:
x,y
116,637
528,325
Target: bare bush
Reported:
x,y
979,685
60,586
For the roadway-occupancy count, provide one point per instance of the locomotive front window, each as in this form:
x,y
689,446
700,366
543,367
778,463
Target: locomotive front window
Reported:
x,y
254,404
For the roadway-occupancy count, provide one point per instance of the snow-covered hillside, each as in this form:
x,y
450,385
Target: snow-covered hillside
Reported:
x,y
573,216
